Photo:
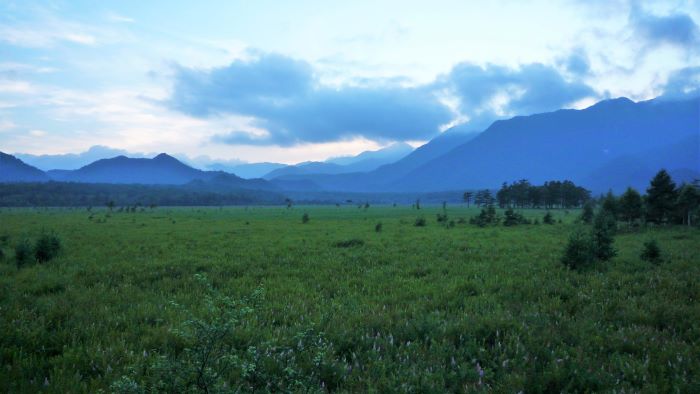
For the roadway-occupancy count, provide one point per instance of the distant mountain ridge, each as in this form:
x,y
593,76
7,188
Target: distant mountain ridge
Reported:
x,y
363,162
564,144
13,169
610,145
567,144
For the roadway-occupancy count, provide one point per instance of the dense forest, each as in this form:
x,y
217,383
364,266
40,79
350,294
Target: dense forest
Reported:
x,y
66,194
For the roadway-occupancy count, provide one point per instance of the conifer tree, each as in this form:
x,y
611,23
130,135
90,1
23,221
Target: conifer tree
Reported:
x,y
661,198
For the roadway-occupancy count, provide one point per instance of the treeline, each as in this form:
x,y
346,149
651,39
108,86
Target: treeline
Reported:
x,y
663,203
67,194
523,194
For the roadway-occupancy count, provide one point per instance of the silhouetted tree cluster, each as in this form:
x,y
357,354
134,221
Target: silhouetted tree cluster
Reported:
x,y
483,198
664,203
553,194
68,194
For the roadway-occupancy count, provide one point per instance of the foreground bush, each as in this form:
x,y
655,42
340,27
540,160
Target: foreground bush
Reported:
x,y
512,218
651,252
47,247
217,359
486,217
604,228
579,251
23,253
585,248
548,218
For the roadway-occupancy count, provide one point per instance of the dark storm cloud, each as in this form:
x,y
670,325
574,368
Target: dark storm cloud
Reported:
x,y
285,98
531,89
683,83
675,29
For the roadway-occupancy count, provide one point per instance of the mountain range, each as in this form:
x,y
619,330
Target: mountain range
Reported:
x,y
610,145
364,162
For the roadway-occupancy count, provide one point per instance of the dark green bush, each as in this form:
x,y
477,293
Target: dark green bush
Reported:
x,y
217,359
587,214
420,222
23,253
47,247
378,227
486,217
548,218
512,218
651,252
305,218
604,227
579,251
349,243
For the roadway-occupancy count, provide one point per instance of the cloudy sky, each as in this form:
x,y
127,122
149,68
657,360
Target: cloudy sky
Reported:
x,y
296,81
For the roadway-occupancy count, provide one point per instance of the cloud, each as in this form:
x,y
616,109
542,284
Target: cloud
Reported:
x,y
676,29
46,36
577,63
491,92
683,83
286,99
288,105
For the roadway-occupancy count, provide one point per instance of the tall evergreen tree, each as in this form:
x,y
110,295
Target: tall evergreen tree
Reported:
x,y
688,203
630,205
603,235
467,197
587,214
661,198
609,204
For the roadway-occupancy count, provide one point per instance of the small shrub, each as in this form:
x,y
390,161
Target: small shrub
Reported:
x,y
578,252
548,218
651,252
513,218
587,213
378,227
23,253
420,222
305,218
604,227
2,254
349,243
441,217
47,247
4,239
486,217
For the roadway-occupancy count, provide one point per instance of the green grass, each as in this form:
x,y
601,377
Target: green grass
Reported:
x,y
405,309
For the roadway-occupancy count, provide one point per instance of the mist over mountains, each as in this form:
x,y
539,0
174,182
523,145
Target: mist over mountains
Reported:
x,y
610,145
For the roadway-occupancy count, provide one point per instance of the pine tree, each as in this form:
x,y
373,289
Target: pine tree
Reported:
x,y
578,252
610,204
467,197
587,214
603,234
661,198
688,202
630,205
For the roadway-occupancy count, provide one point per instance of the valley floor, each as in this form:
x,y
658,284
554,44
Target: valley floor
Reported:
x,y
341,306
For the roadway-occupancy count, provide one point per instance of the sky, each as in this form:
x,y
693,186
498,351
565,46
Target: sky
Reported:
x,y
307,80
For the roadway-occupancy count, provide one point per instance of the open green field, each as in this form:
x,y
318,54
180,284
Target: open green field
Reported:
x,y
412,309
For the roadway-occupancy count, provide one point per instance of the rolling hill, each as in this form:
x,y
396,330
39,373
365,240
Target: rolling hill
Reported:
x,y
568,144
13,169
363,162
